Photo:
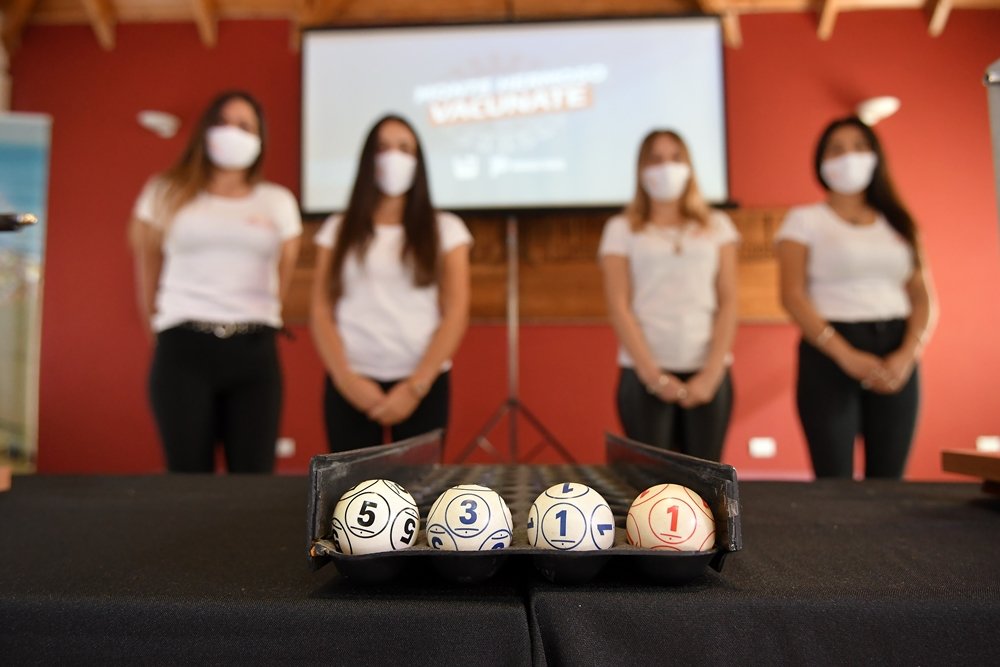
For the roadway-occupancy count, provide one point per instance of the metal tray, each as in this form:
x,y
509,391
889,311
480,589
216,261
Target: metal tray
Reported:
x,y
631,467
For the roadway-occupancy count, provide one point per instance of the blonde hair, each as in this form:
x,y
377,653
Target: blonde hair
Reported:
x,y
693,205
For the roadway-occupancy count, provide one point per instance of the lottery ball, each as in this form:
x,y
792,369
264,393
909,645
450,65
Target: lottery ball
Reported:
x,y
672,517
469,517
571,517
374,516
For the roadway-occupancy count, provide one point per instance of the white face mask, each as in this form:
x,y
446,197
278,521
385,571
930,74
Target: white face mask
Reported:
x,y
229,147
665,181
394,171
849,173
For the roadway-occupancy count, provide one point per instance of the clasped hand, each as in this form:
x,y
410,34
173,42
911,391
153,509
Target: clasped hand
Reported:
x,y
698,390
386,408
885,375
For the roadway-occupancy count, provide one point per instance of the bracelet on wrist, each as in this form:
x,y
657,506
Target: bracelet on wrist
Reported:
x,y
662,381
824,336
418,389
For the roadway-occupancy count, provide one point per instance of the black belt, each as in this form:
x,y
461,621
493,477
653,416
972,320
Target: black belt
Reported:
x,y
225,329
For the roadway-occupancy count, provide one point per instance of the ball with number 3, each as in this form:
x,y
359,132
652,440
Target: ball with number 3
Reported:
x,y
374,516
469,517
571,517
671,517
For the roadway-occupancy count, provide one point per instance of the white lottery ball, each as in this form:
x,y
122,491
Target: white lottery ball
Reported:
x,y
374,516
571,517
469,517
672,517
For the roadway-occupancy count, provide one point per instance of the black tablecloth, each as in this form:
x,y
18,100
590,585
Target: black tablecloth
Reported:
x,y
832,572
170,569
199,569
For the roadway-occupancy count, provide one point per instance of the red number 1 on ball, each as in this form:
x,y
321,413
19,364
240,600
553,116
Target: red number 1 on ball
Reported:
x,y
672,511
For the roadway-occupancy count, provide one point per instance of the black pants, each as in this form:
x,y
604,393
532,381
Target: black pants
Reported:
x,y
834,409
204,389
699,431
349,428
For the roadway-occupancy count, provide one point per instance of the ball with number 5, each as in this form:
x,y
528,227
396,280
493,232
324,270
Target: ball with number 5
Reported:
x,y
469,517
571,517
374,516
670,517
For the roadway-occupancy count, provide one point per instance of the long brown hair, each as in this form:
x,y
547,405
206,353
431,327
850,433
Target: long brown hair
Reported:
x,y
420,249
193,170
693,206
880,193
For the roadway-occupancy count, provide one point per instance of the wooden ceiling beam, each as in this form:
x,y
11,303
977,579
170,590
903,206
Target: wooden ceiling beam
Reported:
x,y
938,12
206,17
730,20
102,17
319,12
731,29
15,18
827,18
310,13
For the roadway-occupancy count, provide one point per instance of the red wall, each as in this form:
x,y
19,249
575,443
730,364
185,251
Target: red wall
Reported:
x,y
782,86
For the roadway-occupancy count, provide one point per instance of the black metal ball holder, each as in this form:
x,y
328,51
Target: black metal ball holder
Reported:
x,y
631,468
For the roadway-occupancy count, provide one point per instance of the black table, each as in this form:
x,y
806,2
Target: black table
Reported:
x,y
832,572
170,569
200,569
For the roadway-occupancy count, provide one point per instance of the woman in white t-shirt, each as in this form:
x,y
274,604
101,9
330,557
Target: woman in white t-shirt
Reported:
x,y
854,279
669,265
390,298
215,247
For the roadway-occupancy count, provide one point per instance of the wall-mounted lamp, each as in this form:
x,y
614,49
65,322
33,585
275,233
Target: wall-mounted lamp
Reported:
x,y
160,123
874,109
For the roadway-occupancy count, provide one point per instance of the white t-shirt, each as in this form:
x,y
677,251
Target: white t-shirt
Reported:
x,y
854,273
220,255
385,321
673,274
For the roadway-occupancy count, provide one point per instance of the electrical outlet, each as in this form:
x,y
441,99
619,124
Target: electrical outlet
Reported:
x,y
763,448
988,444
284,448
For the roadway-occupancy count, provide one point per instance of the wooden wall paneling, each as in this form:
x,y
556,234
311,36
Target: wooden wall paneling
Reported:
x,y
758,267
297,304
559,276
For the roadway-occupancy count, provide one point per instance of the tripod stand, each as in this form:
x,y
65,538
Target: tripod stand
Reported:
x,y
512,407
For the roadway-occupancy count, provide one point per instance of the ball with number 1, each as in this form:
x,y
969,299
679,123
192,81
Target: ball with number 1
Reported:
x,y
670,517
571,517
